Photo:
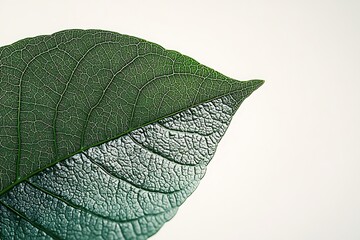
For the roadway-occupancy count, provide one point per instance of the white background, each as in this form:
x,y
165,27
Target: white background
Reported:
x,y
288,167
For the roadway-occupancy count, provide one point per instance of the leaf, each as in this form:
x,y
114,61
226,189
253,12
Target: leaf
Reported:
x,y
103,135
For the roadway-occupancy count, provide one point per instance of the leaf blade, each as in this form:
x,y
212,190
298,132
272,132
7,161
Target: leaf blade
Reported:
x,y
113,132
49,136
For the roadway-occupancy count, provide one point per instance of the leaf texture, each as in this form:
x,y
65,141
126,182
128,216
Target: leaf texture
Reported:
x,y
103,135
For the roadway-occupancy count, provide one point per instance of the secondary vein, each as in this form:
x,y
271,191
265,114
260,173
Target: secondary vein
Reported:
x,y
36,225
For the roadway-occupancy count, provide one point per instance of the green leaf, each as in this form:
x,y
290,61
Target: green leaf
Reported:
x,y
103,135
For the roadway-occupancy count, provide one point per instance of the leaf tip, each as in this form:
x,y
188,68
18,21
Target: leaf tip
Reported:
x,y
256,83
246,88
253,85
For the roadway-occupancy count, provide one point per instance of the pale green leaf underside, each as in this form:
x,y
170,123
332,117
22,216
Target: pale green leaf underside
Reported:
x,y
110,111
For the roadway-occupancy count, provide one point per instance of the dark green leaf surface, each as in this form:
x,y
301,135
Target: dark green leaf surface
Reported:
x,y
103,135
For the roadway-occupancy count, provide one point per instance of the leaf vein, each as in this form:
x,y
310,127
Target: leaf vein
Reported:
x,y
66,88
125,180
153,151
83,209
36,225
